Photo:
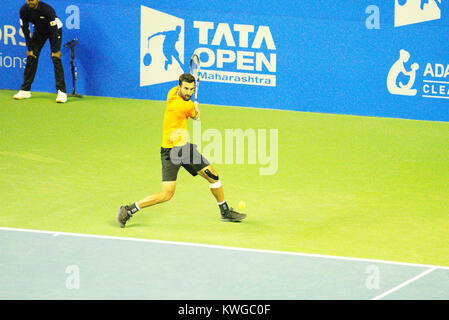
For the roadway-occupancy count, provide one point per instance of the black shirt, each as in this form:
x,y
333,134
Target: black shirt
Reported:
x,y
45,22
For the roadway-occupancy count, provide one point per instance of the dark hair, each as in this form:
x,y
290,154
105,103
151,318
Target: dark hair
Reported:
x,y
186,77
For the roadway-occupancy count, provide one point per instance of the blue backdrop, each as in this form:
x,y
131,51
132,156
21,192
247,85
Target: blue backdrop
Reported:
x,y
306,55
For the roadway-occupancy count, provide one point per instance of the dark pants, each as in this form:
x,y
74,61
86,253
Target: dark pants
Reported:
x,y
186,156
38,41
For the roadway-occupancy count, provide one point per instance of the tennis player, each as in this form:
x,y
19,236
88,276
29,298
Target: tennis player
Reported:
x,y
46,26
177,152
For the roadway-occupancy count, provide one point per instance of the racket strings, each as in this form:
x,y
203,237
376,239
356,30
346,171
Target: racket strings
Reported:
x,y
194,66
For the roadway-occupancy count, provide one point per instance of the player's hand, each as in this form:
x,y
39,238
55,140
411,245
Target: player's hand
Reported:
x,y
56,54
197,111
197,106
30,53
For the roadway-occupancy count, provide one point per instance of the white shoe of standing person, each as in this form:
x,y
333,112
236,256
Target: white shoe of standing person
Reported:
x,y
62,97
22,95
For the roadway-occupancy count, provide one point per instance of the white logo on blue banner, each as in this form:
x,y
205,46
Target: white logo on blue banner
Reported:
x,y
161,47
236,53
416,11
398,68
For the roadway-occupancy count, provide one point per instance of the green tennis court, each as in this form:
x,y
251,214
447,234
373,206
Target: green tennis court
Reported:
x,y
345,186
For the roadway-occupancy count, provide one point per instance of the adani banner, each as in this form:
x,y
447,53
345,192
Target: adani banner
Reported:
x,y
361,57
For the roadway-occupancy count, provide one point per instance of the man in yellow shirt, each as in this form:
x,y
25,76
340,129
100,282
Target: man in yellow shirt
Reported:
x,y
177,152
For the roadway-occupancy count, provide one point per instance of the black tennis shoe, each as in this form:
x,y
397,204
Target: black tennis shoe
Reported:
x,y
232,216
123,215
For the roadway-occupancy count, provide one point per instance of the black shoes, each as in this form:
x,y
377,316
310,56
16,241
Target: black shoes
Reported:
x,y
232,216
123,215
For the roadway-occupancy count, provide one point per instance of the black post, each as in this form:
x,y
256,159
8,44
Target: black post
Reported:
x,y
71,45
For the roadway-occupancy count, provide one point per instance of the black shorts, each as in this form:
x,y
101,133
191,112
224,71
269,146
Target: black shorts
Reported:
x,y
186,156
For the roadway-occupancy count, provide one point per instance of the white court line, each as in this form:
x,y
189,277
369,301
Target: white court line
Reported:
x,y
404,284
83,235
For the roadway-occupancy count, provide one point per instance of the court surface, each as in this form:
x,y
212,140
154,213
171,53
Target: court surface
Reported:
x,y
373,189
52,265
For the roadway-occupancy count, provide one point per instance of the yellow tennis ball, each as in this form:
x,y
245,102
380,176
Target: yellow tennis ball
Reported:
x,y
242,205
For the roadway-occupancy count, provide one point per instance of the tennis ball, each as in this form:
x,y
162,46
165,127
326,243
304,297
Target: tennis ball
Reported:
x,y
242,205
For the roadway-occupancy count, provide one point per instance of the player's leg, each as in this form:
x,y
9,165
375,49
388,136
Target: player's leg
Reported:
x,y
199,165
169,176
59,70
196,164
126,212
31,66
167,192
216,188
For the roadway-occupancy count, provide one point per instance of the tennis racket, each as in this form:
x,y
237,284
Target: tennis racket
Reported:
x,y
194,71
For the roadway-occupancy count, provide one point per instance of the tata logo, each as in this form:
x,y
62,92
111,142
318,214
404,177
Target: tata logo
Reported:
x,y
416,11
161,47
242,54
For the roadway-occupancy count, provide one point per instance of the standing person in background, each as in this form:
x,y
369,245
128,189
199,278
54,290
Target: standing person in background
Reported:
x,y
46,26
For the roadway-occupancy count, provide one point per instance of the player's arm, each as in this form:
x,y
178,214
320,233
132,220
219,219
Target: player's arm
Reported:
x,y
25,25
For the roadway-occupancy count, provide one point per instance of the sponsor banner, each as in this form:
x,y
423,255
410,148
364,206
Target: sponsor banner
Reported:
x,y
161,47
416,11
238,78
294,55
431,82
